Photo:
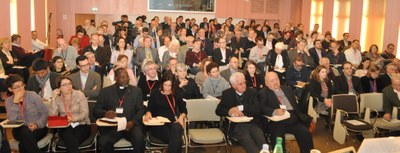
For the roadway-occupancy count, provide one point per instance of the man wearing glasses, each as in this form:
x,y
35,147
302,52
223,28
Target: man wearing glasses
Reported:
x,y
87,81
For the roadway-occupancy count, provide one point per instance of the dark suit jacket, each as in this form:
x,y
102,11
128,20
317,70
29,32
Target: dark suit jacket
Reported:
x,y
390,99
341,86
341,42
217,56
260,82
385,80
93,80
132,103
271,59
366,84
292,75
306,59
249,100
269,102
4,60
33,84
235,44
142,84
340,58
207,46
141,55
103,54
25,59
314,54
316,89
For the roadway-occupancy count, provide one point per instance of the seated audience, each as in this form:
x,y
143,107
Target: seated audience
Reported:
x,y
347,83
371,82
202,75
28,107
391,69
388,54
206,44
146,52
167,103
321,90
353,54
317,52
83,38
37,45
301,51
87,81
44,81
214,83
101,53
259,53
25,57
334,55
241,101
173,52
68,53
9,59
71,103
187,87
121,100
149,79
93,64
194,56
276,100
363,67
297,76
121,49
278,60
57,66
233,67
222,54
171,67
391,97
332,71
374,55
164,47
254,79
122,62
188,46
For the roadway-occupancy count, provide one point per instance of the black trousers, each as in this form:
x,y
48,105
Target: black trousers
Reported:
x,y
73,137
250,136
109,136
171,134
28,139
294,126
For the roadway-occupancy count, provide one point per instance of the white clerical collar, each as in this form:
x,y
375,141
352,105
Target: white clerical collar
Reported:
x,y
240,94
148,78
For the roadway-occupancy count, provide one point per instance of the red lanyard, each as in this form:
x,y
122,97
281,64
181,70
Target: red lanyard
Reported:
x,y
324,89
150,87
254,81
172,106
21,108
121,101
65,105
198,57
350,84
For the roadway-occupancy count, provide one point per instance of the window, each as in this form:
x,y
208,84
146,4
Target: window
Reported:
x,y
341,18
317,8
182,5
13,17
373,21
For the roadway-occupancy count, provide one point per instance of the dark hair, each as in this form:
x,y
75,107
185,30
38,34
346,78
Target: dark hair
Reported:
x,y
139,18
211,66
370,48
315,41
80,30
59,80
117,72
116,46
259,39
314,32
15,37
54,60
168,77
250,62
80,58
362,61
39,64
346,62
124,16
12,79
345,33
315,73
299,33
355,40
145,29
390,44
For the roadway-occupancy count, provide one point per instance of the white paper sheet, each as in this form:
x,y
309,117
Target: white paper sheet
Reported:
x,y
121,123
277,118
355,122
241,119
73,125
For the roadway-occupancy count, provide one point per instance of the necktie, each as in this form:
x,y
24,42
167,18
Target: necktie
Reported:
x,y
148,54
350,84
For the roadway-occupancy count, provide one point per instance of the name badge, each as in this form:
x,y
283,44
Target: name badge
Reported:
x,y
240,107
119,110
148,95
282,106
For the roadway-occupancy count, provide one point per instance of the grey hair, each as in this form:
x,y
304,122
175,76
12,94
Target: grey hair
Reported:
x,y
181,66
280,45
234,77
396,77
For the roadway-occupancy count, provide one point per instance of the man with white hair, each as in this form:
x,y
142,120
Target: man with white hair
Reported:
x,y
68,53
278,60
240,101
277,100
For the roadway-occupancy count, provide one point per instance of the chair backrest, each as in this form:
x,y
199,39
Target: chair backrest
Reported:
x,y
311,110
345,102
91,104
202,110
371,100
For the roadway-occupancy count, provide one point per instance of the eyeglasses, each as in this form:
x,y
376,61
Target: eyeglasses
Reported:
x,y
18,86
66,84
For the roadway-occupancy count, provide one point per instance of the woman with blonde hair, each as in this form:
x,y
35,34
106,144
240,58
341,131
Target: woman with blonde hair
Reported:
x,y
173,52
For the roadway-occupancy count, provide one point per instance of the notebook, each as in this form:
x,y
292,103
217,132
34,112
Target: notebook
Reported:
x,y
57,121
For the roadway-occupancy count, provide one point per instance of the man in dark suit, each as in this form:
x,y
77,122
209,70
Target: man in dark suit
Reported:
x,y
192,31
205,25
121,100
102,56
385,79
238,42
206,43
345,42
275,100
250,42
93,64
44,81
25,57
347,83
222,55
297,75
302,52
87,81
317,52
391,96
241,101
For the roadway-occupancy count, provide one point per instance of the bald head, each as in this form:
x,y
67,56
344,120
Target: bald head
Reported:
x,y
272,81
396,81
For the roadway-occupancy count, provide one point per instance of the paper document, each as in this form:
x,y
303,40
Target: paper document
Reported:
x,y
280,70
241,119
18,67
75,124
157,121
121,123
277,118
355,122
3,76
392,121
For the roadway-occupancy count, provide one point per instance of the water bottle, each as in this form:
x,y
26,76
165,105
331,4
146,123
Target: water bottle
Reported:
x,y
265,149
278,146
